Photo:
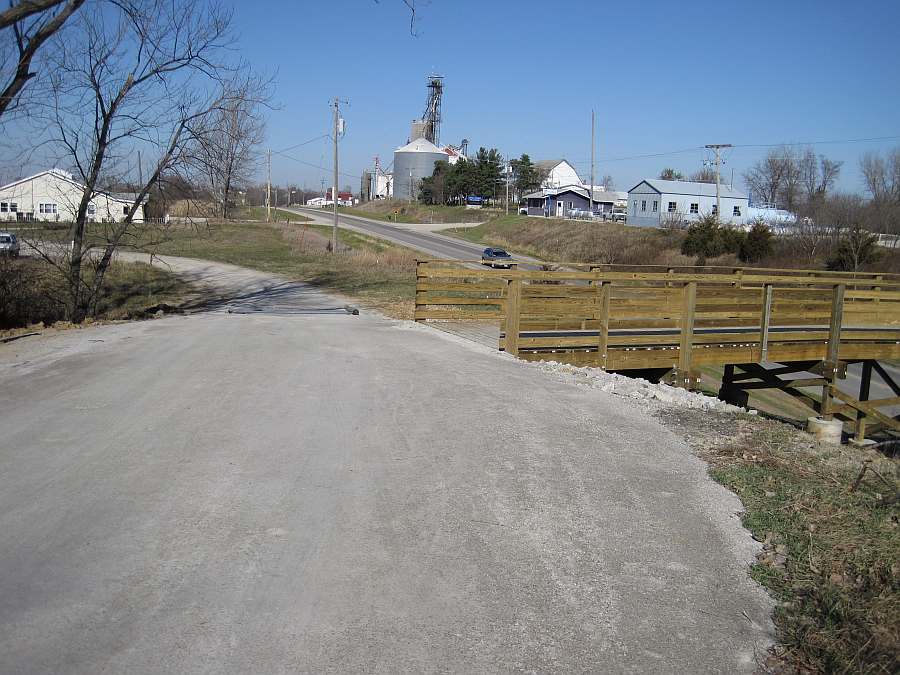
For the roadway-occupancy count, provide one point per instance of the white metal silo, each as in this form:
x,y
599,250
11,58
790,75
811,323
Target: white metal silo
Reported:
x,y
412,163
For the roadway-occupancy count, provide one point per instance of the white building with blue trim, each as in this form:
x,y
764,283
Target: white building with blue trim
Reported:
x,y
655,202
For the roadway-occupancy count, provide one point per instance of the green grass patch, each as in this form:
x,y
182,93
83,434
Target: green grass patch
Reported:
x,y
259,213
832,545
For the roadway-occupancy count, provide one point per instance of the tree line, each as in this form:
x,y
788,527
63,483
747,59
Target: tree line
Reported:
x,y
486,175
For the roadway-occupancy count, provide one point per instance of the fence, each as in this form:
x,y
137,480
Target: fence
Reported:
x,y
675,319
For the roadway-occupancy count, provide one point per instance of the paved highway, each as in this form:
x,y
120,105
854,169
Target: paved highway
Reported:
x,y
277,486
430,243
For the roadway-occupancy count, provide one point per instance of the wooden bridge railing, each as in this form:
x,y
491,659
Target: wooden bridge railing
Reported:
x,y
675,319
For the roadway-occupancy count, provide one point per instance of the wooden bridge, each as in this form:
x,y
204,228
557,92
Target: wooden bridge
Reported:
x,y
666,322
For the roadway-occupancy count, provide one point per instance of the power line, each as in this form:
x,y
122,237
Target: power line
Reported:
x,y
300,145
871,139
829,142
314,166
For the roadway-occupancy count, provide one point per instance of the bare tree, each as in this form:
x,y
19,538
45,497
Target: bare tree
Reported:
x,y
608,182
141,76
882,175
670,174
27,25
228,140
704,175
818,174
768,177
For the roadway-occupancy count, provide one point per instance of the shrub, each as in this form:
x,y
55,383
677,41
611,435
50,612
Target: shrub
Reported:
x,y
857,247
29,293
706,238
757,244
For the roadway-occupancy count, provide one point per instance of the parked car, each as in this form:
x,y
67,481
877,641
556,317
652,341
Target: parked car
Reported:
x,y
496,257
9,245
618,217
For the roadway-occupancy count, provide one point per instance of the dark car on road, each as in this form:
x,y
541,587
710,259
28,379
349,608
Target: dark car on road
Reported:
x,y
496,257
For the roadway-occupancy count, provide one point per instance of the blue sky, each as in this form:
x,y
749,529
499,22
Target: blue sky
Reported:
x,y
523,77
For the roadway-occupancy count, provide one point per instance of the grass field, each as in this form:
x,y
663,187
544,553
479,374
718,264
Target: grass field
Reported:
x,y
380,274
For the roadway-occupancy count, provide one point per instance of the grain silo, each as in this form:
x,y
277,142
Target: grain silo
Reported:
x,y
412,163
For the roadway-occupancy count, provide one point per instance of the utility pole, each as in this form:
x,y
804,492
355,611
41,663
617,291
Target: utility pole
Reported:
x,y
591,212
508,170
269,186
716,147
334,188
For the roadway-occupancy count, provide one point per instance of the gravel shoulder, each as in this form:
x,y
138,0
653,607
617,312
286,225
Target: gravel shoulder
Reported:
x,y
275,485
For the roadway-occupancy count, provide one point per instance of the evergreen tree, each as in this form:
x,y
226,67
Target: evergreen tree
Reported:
x,y
526,175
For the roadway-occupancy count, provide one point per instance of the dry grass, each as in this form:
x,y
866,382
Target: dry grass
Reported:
x,y
831,552
572,241
404,212
32,291
377,273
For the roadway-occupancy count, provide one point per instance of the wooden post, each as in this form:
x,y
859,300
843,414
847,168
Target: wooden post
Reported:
x,y
689,304
865,380
834,345
418,267
513,313
603,336
764,320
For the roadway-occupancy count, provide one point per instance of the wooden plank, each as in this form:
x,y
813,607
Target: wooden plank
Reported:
x,y
438,300
424,314
869,409
764,320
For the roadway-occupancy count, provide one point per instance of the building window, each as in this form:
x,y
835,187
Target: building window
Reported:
x,y
571,205
655,206
643,205
92,209
672,207
695,207
47,208
736,211
125,210
13,207
4,207
715,209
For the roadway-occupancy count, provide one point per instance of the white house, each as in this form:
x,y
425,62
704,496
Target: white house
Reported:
x,y
652,202
55,195
559,173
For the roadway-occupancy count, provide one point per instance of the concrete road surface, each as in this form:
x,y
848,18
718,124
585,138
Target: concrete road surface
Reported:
x,y
288,488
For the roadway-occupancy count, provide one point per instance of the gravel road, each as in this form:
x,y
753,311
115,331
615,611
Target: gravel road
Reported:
x,y
285,487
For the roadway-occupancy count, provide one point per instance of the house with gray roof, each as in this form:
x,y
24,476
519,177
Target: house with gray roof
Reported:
x,y
559,202
654,202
